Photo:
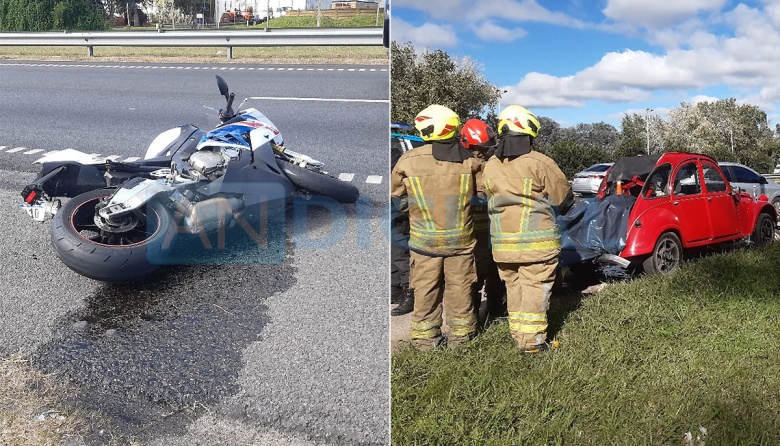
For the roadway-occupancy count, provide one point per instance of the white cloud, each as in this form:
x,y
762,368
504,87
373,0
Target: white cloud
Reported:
x,y
491,32
699,98
617,77
472,11
428,35
744,60
658,13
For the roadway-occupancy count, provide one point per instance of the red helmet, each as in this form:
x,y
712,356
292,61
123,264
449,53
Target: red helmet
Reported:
x,y
477,133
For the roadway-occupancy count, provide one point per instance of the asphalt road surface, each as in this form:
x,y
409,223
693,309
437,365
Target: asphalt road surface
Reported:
x,y
242,349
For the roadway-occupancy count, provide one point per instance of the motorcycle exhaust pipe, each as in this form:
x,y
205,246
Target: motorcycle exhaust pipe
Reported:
x,y
211,215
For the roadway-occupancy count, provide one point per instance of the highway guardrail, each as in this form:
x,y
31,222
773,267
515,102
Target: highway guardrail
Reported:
x,y
201,38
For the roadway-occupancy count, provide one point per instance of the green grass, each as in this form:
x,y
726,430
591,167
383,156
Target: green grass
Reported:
x,y
354,21
304,54
640,363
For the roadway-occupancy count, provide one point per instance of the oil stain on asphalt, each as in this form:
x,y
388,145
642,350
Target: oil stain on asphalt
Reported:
x,y
150,356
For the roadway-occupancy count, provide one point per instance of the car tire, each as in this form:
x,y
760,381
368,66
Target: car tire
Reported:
x,y
764,232
776,204
666,255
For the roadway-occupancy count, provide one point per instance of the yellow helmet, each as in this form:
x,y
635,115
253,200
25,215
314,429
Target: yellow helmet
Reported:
x,y
519,120
436,123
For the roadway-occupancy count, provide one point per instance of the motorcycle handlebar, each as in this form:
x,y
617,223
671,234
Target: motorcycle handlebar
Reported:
x,y
229,108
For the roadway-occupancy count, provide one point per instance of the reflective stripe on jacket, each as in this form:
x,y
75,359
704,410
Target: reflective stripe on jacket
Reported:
x,y
438,196
524,192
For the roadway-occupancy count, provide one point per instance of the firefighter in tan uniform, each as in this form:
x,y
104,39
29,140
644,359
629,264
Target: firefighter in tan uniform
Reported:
x,y
480,139
436,184
526,190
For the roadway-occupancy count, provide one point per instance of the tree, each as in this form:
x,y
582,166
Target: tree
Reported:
x,y
48,15
419,80
724,130
549,133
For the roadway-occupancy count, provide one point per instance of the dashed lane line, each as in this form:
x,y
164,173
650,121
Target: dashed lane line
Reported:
x,y
176,67
346,176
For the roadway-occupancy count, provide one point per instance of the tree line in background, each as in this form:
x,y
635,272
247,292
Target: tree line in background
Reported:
x,y
90,15
723,129
47,15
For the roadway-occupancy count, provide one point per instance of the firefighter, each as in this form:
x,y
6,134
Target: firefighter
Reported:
x,y
400,293
478,137
436,184
526,191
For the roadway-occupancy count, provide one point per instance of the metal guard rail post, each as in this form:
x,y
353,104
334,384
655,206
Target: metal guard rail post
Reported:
x,y
201,38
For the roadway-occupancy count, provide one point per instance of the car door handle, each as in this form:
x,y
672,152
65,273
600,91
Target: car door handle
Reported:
x,y
675,203
709,198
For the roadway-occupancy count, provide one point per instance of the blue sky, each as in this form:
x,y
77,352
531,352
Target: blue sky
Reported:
x,y
585,61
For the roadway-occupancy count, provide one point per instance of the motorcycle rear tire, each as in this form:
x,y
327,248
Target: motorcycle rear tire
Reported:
x,y
108,262
319,183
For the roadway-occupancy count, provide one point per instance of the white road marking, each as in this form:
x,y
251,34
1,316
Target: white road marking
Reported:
x,y
30,152
2,147
131,159
346,176
113,157
18,149
374,179
271,98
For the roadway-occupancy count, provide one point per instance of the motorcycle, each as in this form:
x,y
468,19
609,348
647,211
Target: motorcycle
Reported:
x,y
121,216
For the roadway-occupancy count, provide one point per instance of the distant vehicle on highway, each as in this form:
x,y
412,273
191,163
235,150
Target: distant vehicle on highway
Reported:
x,y
588,181
751,182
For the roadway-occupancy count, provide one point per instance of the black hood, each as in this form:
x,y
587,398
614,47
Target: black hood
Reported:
x,y
510,146
450,150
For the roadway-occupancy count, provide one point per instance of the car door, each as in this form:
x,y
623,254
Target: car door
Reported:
x,y
723,212
690,205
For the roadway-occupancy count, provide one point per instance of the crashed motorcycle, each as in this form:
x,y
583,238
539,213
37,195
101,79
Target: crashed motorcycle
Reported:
x,y
121,216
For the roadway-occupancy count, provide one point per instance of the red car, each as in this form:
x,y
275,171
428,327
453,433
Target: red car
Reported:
x,y
650,209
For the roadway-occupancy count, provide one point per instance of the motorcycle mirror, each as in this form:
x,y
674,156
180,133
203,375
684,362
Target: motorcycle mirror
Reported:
x,y
223,87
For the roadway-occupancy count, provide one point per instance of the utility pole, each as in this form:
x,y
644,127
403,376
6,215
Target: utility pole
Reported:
x,y
267,14
319,12
647,128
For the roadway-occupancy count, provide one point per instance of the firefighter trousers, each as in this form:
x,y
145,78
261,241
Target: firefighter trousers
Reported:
x,y
528,288
487,277
437,281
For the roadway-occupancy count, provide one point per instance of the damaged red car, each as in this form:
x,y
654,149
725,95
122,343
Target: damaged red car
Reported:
x,y
650,210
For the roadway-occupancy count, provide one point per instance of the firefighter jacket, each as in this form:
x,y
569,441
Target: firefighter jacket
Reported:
x,y
524,193
479,204
438,196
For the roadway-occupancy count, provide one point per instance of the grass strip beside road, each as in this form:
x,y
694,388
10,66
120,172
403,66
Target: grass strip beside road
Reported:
x,y
337,55
640,363
29,407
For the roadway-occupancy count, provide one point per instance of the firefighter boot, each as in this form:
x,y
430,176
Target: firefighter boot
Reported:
x,y
406,305
396,294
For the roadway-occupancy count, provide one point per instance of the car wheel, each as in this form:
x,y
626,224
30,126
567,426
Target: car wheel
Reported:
x,y
776,204
666,255
764,232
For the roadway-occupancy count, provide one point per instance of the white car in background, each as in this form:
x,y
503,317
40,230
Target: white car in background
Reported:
x,y
751,182
588,181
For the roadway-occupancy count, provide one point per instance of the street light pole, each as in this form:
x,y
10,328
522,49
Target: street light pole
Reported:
x,y
647,128
500,93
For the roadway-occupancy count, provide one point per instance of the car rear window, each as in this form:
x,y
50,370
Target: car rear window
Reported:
x,y
598,168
